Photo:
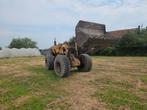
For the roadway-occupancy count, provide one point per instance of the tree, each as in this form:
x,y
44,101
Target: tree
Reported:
x,y
22,43
72,41
0,48
132,44
134,40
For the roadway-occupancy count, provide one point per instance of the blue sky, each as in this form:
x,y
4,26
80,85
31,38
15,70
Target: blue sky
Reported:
x,y
44,20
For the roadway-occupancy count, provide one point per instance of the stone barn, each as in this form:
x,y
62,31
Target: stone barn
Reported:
x,y
92,37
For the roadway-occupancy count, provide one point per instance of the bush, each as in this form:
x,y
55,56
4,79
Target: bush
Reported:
x,y
133,40
22,43
108,51
133,44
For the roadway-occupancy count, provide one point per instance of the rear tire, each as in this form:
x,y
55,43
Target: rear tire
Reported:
x,y
62,66
49,60
86,63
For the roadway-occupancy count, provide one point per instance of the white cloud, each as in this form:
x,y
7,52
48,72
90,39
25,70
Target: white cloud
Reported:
x,y
64,14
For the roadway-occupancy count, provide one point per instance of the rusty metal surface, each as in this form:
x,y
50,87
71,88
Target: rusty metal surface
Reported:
x,y
92,37
85,30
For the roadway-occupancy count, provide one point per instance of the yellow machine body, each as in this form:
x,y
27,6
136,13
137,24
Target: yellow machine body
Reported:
x,y
63,49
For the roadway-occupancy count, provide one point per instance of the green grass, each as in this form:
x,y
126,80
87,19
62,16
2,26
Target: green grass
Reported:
x,y
50,75
116,95
144,79
117,82
42,86
35,103
116,98
114,80
143,90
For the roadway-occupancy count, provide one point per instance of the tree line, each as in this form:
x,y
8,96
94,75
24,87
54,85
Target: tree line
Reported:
x,y
22,43
132,43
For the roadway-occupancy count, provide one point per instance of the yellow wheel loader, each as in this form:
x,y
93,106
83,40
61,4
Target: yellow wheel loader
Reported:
x,y
63,57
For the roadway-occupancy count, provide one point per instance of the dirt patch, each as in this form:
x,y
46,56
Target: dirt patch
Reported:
x,y
75,103
3,91
16,70
3,107
22,74
6,70
140,86
80,94
21,101
10,69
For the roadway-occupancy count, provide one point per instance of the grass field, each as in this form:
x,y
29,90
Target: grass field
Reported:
x,y
117,83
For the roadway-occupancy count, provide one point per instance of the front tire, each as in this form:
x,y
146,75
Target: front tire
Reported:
x,y
62,66
86,63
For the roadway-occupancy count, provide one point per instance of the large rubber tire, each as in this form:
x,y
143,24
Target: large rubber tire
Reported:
x,y
62,66
86,63
49,60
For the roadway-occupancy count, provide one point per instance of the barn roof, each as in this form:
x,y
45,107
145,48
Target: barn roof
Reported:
x,y
119,33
